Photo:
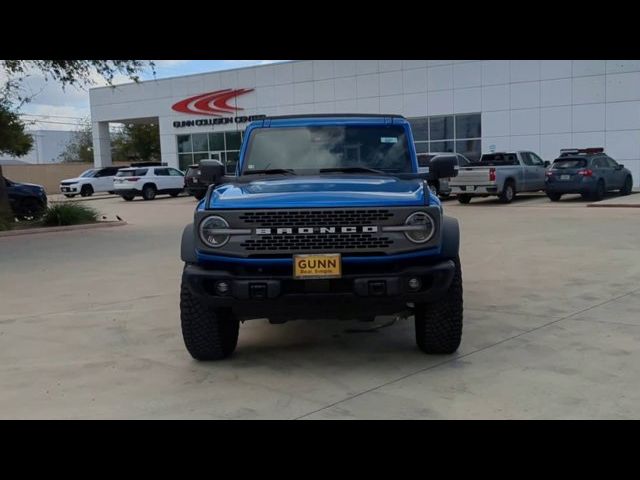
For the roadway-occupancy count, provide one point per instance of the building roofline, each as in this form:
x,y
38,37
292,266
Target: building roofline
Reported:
x,y
190,75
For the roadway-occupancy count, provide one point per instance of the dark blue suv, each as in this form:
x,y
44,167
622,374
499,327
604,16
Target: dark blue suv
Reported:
x,y
27,200
589,171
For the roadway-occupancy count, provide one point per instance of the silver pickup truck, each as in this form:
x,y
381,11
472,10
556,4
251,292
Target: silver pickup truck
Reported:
x,y
500,174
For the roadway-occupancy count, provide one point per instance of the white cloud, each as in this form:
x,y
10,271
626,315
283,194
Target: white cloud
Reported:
x,y
170,63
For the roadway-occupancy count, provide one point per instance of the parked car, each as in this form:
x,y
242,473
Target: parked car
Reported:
x,y
148,182
89,182
441,186
194,183
27,200
589,172
500,174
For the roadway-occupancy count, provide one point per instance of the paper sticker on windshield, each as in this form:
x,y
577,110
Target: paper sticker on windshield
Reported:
x,y
388,139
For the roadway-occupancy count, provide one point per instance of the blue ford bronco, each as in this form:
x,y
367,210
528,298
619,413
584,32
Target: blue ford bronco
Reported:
x,y
326,217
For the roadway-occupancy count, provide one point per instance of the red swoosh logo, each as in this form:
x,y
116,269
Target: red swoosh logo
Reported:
x,y
212,103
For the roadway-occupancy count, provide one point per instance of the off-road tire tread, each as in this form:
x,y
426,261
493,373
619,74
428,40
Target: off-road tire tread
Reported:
x,y
208,335
438,325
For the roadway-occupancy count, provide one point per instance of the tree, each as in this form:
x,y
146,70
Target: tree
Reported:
x,y
13,141
66,72
139,141
80,147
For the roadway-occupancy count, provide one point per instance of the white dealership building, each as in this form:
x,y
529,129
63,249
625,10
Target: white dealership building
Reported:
x,y
468,106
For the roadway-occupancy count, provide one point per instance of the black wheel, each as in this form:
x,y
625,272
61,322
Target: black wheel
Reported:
x,y
69,195
128,198
554,197
439,324
86,191
628,185
443,196
208,334
199,195
29,209
599,192
111,192
464,198
508,192
149,192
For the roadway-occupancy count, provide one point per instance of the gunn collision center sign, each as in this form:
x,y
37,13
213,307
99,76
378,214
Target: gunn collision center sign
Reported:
x,y
213,104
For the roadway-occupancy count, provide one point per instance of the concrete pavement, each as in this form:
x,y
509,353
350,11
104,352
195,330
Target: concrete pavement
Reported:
x,y
89,328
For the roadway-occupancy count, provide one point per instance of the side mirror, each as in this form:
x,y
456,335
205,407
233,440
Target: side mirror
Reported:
x,y
547,163
619,166
211,171
443,166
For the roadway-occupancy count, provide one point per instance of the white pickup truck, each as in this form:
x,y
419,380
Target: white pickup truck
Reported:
x,y
500,174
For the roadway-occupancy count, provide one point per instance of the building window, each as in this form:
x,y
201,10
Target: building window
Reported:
x,y
448,133
223,146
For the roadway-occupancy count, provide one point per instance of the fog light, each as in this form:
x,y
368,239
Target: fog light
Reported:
x,y
222,288
415,283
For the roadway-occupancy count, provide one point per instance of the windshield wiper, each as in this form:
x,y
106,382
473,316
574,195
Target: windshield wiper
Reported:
x,y
270,171
353,170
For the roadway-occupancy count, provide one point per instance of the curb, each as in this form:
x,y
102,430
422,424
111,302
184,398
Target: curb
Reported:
x,y
614,205
67,228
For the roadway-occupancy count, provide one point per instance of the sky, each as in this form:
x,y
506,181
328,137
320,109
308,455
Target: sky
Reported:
x,y
53,108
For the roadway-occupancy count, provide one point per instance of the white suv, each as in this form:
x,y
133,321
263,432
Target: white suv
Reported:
x,y
89,182
148,182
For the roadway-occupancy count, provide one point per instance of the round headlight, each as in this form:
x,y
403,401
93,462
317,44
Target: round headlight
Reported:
x,y
425,227
208,233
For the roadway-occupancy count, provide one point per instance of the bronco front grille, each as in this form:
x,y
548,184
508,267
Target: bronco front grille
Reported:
x,y
312,218
336,242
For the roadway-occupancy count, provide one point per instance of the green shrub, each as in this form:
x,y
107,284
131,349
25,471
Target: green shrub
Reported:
x,y
68,213
5,223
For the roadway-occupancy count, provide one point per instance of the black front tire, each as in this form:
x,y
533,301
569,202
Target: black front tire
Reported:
x,y
128,198
86,191
439,324
464,198
628,186
554,197
208,334
69,196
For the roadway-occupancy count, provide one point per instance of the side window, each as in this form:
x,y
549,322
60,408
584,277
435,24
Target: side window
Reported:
x,y
526,158
612,163
99,173
600,163
175,173
536,159
462,161
162,172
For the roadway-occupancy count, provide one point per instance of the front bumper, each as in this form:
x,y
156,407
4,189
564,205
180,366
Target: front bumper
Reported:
x,y
351,296
69,189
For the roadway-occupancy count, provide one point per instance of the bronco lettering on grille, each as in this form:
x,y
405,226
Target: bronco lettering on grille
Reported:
x,y
311,230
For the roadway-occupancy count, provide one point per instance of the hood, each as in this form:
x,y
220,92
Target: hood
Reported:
x,y
29,185
72,180
320,191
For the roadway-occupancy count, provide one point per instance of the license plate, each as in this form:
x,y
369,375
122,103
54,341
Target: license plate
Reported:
x,y
194,180
565,177
317,266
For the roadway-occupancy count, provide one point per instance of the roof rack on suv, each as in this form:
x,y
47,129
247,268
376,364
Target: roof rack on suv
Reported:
x,y
578,151
149,164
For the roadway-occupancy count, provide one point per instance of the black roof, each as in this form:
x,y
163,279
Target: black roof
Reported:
x,y
333,115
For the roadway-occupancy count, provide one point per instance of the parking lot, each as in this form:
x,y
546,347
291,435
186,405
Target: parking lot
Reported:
x,y
89,327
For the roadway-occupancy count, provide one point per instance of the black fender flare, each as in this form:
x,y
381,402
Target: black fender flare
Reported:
x,y
450,237
188,245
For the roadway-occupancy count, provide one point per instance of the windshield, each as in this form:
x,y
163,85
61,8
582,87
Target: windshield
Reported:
x,y
310,149
499,158
88,173
570,163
